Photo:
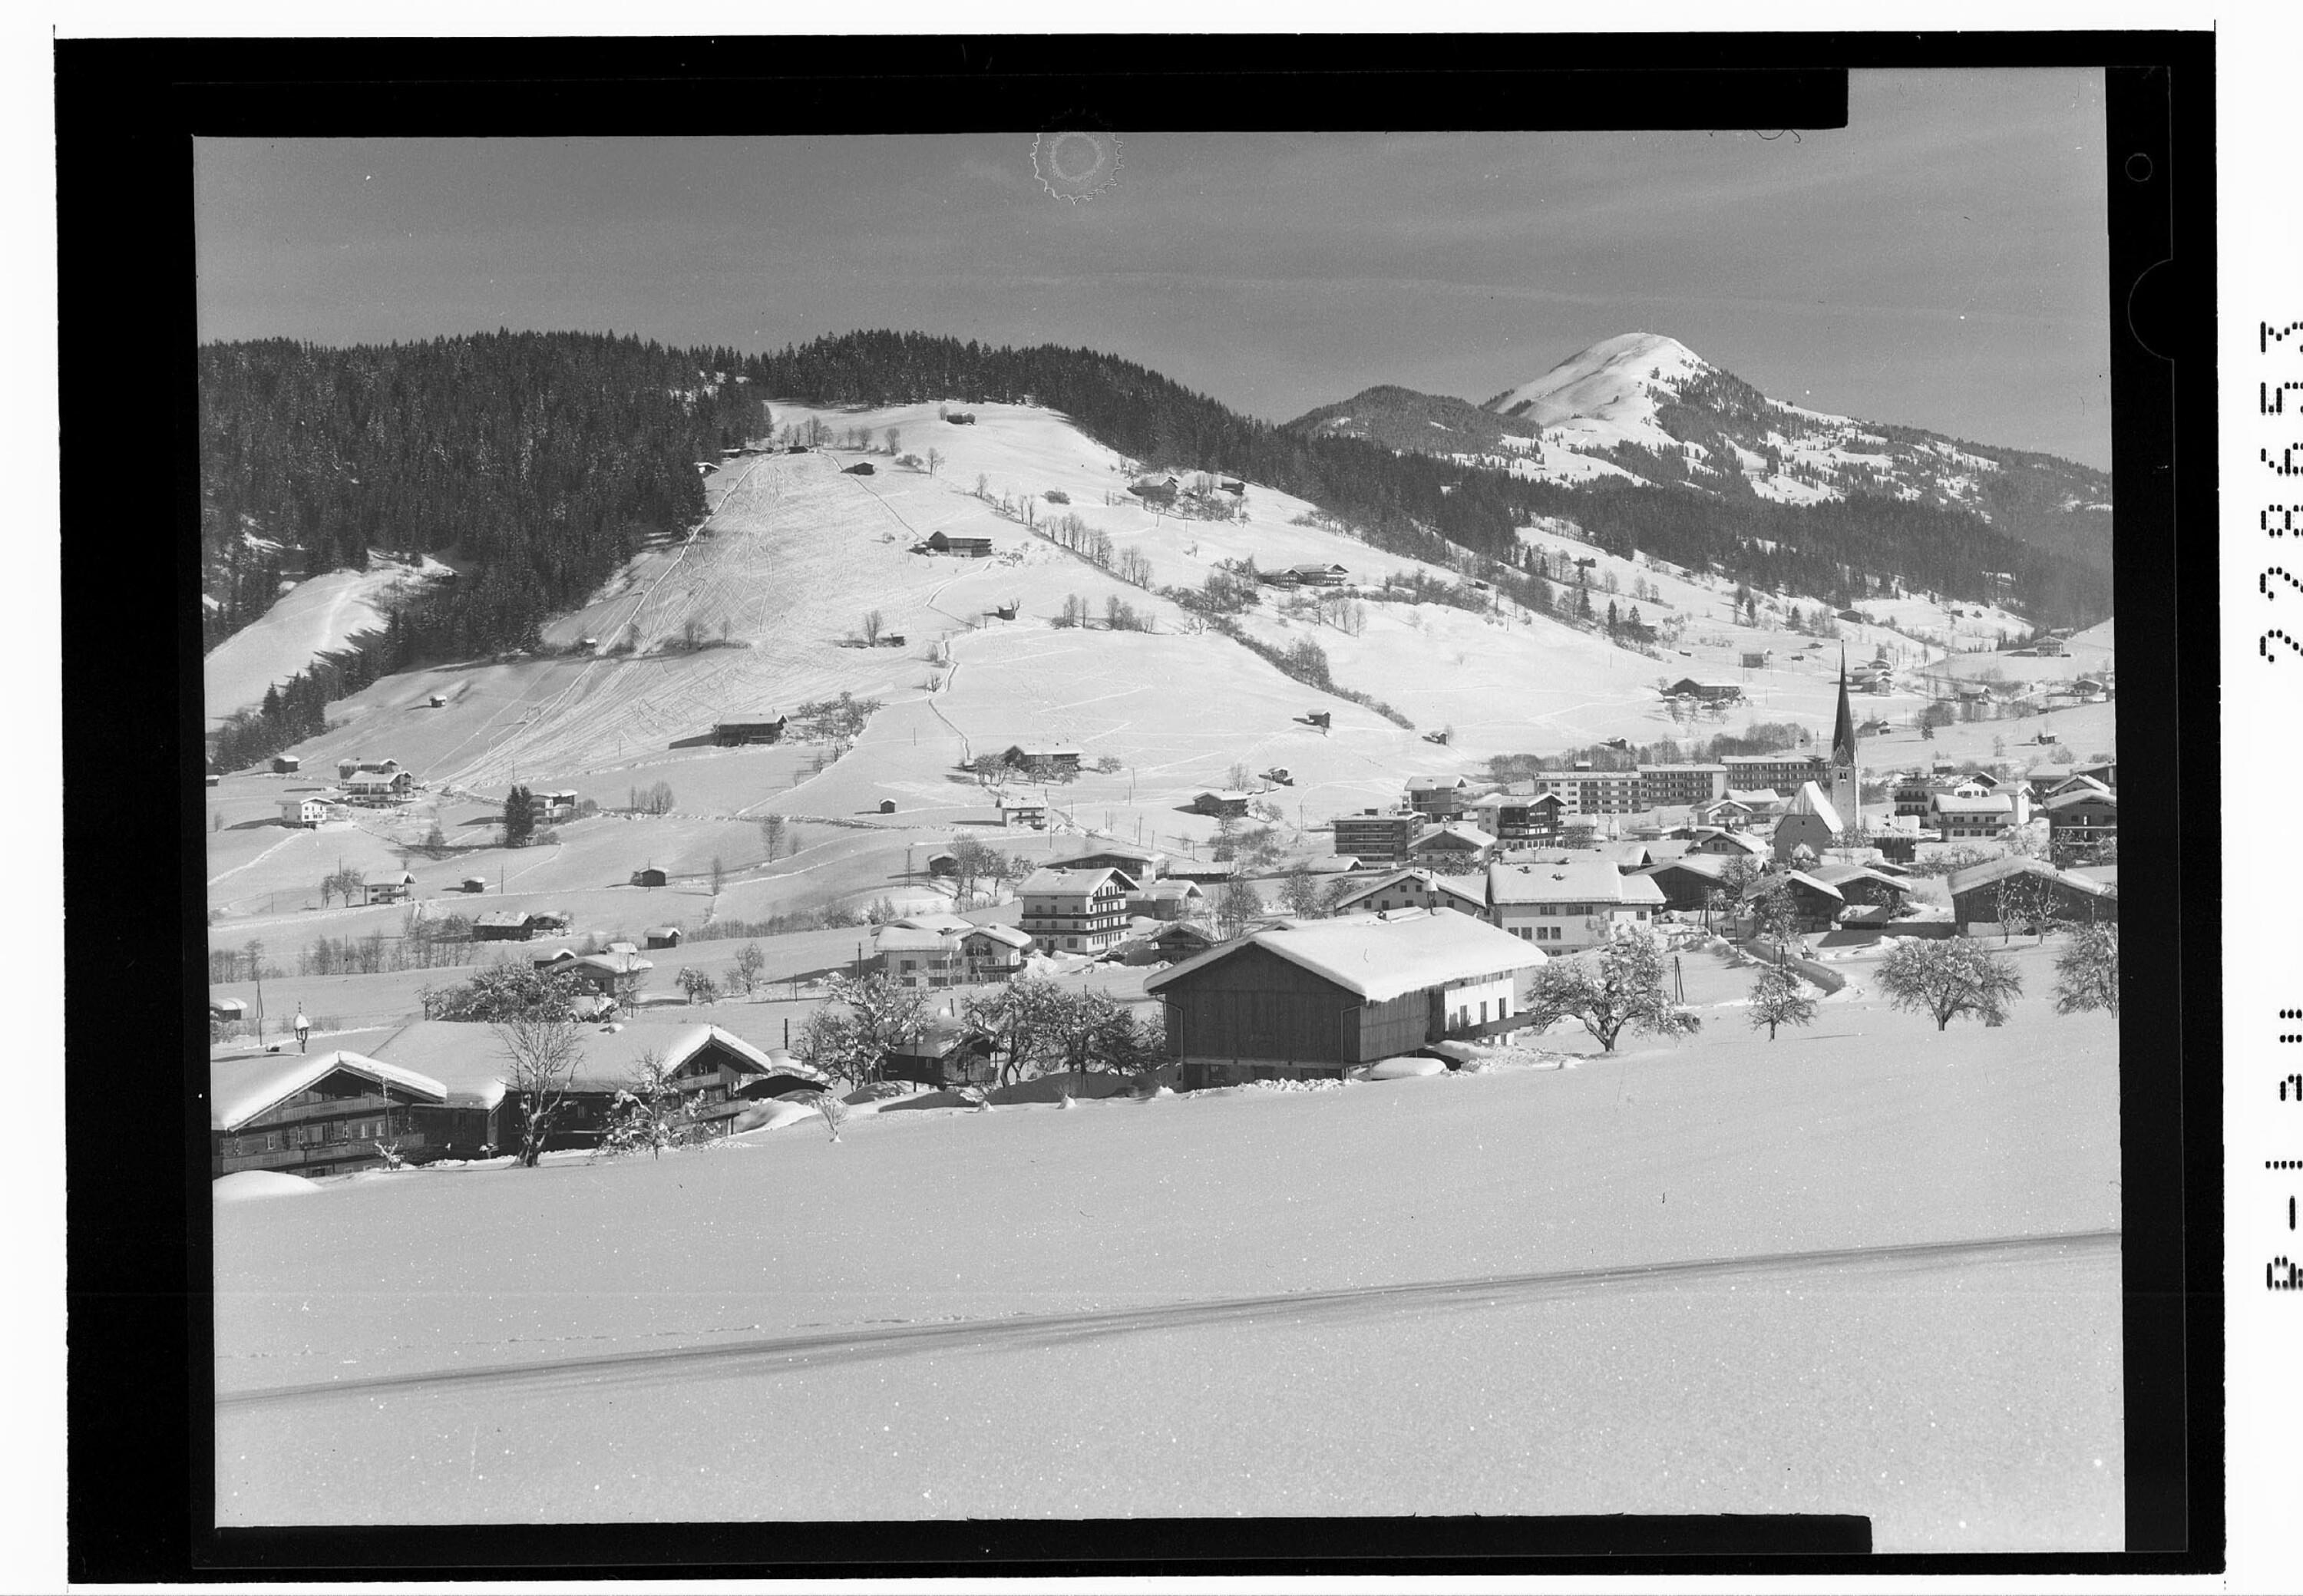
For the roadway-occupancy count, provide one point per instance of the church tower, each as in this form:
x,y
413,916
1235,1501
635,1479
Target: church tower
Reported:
x,y
1845,769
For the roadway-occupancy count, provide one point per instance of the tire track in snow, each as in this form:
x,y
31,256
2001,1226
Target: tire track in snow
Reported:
x,y
793,1352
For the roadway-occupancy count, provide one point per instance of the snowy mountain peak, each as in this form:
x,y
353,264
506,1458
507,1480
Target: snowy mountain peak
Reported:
x,y
1616,379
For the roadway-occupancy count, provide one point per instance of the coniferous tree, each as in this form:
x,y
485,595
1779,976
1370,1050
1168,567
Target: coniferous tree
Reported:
x,y
518,818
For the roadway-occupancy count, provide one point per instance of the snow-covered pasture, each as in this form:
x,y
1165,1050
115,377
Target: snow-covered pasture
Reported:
x,y
890,1326
312,618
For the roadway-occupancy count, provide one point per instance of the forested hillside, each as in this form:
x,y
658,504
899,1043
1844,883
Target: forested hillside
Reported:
x,y
536,462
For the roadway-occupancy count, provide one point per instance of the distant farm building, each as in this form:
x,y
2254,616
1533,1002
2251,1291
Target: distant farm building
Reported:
x,y
1704,692
437,701
552,806
508,926
967,548
662,936
286,764
374,788
476,883
942,862
1141,865
387,886
1065,759
1975,892
1221,803
1024,811
303,812
1758,659
649,877
887,806
862,467
730,734
1316,575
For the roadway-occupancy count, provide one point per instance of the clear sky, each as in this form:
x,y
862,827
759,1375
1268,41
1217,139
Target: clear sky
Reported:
x,y
1940,262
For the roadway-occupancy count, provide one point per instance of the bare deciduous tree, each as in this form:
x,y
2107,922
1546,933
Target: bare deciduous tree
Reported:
x,y
542,1054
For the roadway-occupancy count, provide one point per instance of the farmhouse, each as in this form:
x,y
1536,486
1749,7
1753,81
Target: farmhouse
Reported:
x,y
1023,811
1861,885
1078,911
1180,941
1140,865
1377,837
943,1054
1220,804
504,926
911,956
1325,997
994,953
730,734
1064,759
1974,892
1816,903
552,806
388,886
303,812
1163,899
966,548
1568,905
1704,692
312,1114
1417,888
1511,817
2080,821
1316,575
1687,882
1728,845
708,1065
352,765
1457,846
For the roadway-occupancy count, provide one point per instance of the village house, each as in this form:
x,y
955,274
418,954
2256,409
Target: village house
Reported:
x,y
1975,892
1816,903
1517,818
1723,814
1451,847
1171,943
1059,759
730,734
312,1114
1328,996
1417,888
911,956
388,886
552,806
1312,574
352,765
307,811
1729,844
1983,815
1688,882
1704,692
943,1054
1220,804
1021,811
1862,886
2080,821
1672,785
1565,905
1078,911
1377,837
1162,899
376,789
993,952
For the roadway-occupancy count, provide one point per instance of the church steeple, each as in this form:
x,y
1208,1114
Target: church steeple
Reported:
x,y
1845,769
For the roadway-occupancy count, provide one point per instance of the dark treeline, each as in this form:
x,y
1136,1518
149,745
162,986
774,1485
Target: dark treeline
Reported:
x,y
538,461
1405,502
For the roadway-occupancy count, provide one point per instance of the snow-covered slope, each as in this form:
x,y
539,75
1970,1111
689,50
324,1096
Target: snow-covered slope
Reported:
x,y
308,621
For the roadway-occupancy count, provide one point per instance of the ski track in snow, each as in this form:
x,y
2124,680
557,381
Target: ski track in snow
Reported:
x,y
1361,1302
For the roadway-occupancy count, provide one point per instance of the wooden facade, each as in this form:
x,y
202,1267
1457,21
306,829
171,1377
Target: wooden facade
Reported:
x,y
1256,1009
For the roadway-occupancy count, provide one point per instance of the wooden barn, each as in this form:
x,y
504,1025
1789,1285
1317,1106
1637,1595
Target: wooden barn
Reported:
x,y
862,467
966,548
730,734
662,936
286,764
508,926
1326,996
1975,892
649,877
313,1114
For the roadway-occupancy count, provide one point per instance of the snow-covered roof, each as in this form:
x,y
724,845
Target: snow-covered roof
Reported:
x,y
1800,877
1383,956
1047,881
1810,800
1466,836
2000,869
909,939
1569,880
1471,889
240,1089
616,964
387,878
2093,792
1712,866
503,917
935,920
469,1064
1756,798
1007,802
1011,935
1951,803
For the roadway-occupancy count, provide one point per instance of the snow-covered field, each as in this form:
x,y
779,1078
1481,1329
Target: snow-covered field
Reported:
x,y
313,616
1870,1268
